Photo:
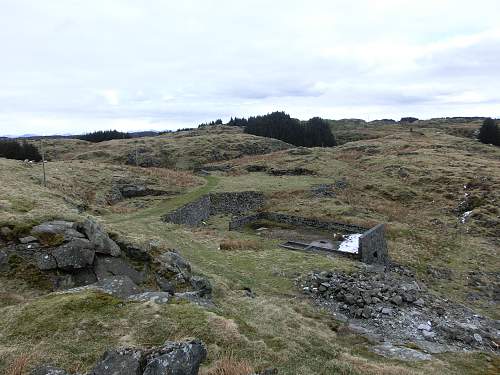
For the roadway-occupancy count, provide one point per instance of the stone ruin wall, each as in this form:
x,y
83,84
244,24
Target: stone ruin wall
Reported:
x,y
295,221
373,246
191,214
194,213
235,203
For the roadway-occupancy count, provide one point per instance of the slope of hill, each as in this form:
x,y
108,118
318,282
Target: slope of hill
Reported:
x,y
183,150
436,192
350,130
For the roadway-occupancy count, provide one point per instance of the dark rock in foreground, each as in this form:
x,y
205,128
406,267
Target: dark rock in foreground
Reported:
x,y
172,358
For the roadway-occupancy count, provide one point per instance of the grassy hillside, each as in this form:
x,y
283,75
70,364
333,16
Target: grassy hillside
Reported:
x,y
350,130
419,183
182,150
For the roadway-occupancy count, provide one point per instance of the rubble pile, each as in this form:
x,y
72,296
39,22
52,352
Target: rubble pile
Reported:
x,y
391,306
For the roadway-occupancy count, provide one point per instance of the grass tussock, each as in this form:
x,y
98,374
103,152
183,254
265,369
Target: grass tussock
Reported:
x,y
230,244
19,365
228,366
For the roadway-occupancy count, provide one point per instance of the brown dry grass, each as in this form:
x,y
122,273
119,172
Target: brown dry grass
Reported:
x,y
229,366
176,178
19,365
230,244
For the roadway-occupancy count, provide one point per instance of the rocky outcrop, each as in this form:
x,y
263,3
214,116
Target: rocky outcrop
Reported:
x,y
125,189
176,358
105,267
99,239
81,256
172,358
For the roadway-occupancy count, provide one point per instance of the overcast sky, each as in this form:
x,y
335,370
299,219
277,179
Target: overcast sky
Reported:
x,y
71,66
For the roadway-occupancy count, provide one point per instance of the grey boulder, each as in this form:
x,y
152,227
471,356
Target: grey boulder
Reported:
x,y
134,252
99,238
105,267
176,358
118,286
56,227
45,261
75,254
27,239
202,285
174,263
119,362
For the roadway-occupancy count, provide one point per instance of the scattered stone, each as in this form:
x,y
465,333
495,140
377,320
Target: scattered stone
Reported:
x,y
387,311
392,304
28,239
165,285
155,297
428,335
419,302
403,354
202,285
424,327
323,190
342,184
249,292
397,300
478,338
194,297
172,262
269,371
367,312
48,370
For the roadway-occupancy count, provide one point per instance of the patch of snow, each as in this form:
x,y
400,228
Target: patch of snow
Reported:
x,y
350,244
464,217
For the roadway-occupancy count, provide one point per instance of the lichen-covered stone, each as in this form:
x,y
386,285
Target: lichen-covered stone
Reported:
x,y
176,358
75,254
119,362
99,239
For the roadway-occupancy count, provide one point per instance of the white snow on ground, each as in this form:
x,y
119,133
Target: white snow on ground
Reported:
x,y
350,244
464,217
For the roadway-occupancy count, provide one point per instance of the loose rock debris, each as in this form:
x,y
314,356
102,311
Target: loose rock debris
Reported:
x,y
392,308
